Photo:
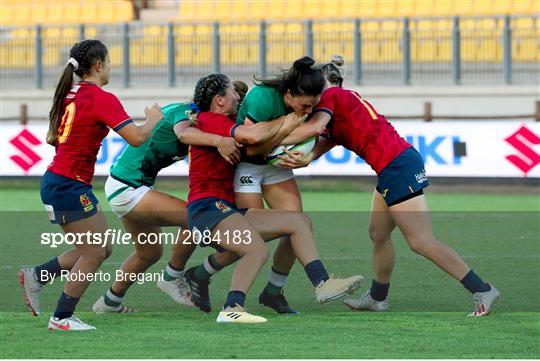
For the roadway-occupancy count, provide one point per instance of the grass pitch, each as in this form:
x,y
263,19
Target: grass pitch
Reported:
x,y
498,235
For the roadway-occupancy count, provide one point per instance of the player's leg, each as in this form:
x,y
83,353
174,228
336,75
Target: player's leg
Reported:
x,y
283,195
272,224
32,279
380,230
145,255
279,189
92,256
161,209
413,219
253,254
143,211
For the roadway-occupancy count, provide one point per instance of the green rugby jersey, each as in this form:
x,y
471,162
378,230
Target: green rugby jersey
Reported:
x,y
139,166
261,104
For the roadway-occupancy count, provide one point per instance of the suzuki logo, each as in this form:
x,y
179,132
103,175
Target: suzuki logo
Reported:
x,y
522,141
24,142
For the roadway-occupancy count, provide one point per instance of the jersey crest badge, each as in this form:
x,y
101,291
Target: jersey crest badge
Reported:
x,y
86,203
222,207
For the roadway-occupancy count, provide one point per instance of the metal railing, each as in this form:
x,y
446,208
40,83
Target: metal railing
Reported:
x,y
468,50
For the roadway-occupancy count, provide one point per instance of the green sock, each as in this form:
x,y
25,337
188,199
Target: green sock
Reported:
x,y
171,274
272,289
201,273
111,299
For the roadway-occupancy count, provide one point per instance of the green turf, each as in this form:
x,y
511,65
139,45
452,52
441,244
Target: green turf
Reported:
x,y
497,234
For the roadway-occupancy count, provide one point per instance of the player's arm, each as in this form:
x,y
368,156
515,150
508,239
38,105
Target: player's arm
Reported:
x,y
137,135
297,159
228,147
290,122
313,127
260,132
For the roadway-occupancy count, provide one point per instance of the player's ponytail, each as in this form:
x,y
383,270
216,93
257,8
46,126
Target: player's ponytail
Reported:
x,y
333,71
57,110
302,79
82,57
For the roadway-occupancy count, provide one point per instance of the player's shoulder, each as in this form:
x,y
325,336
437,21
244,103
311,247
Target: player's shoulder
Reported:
x,y
103,95
176,112
335,90
262,92
206,118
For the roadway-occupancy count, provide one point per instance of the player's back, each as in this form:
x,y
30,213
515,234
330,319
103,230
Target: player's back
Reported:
x,y
359,127
139,166
209,174
89,110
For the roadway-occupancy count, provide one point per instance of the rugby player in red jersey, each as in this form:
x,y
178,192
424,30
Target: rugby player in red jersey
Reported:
x,y
241,233
398,200
80,118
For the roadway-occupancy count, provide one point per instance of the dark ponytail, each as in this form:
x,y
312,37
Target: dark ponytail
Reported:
x,y
302,79
206,89
82,57
332,71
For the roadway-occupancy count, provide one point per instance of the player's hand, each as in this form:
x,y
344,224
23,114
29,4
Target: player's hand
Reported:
x,y
153,113
229,149
295,159
293,121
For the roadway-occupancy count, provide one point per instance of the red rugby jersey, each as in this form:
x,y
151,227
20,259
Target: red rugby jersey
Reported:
x,y
357,126
209,174
89,113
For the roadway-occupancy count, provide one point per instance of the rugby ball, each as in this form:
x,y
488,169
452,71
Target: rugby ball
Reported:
x,y
305,147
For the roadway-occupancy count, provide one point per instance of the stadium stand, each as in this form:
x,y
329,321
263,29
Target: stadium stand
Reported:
x,y
382,30
45,12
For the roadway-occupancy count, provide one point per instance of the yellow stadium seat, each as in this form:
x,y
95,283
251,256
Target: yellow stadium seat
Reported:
x,y
38,14
258,9
482,7
349,9
406,8
106,13
124,11
187,10
295,10
330,9
523,23
502,7
387,8
6,15
444,7
425,8
21,15
56,14
223,10
205,11
89,14
526,7
312,9
240,10
72,13
277,9
465,8
367,8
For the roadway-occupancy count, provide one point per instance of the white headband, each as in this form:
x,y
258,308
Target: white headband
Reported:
x,y
73,62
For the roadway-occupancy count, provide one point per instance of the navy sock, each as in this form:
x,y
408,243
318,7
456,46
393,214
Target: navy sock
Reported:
x,y
46,271
235,298
316,272
379,291
66,306
474,283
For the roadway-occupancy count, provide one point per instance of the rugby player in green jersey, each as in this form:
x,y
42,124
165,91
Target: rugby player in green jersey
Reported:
x,y
294,91
144,210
